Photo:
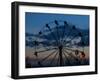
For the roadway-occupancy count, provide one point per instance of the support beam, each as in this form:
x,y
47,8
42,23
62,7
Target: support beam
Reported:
x,y
60,55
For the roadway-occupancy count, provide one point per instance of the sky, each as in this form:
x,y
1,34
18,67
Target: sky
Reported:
x,y
35,21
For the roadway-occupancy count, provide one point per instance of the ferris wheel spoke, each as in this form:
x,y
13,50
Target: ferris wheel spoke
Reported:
x,y
46,47
43,36
53,35
72,38
58,60
70,49
75,29
46,50
63,34
45,58
70,54
67,61
70,44
58,36
53,58
67,35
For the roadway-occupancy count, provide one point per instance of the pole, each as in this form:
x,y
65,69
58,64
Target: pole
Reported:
x,y
60,55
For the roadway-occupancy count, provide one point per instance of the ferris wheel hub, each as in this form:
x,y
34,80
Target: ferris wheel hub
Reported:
x,y
60,47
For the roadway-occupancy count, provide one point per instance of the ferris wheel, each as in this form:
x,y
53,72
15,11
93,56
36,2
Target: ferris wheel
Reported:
x,y
59,43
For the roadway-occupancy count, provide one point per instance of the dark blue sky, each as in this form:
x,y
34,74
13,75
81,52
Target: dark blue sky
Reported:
x,y
35,21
